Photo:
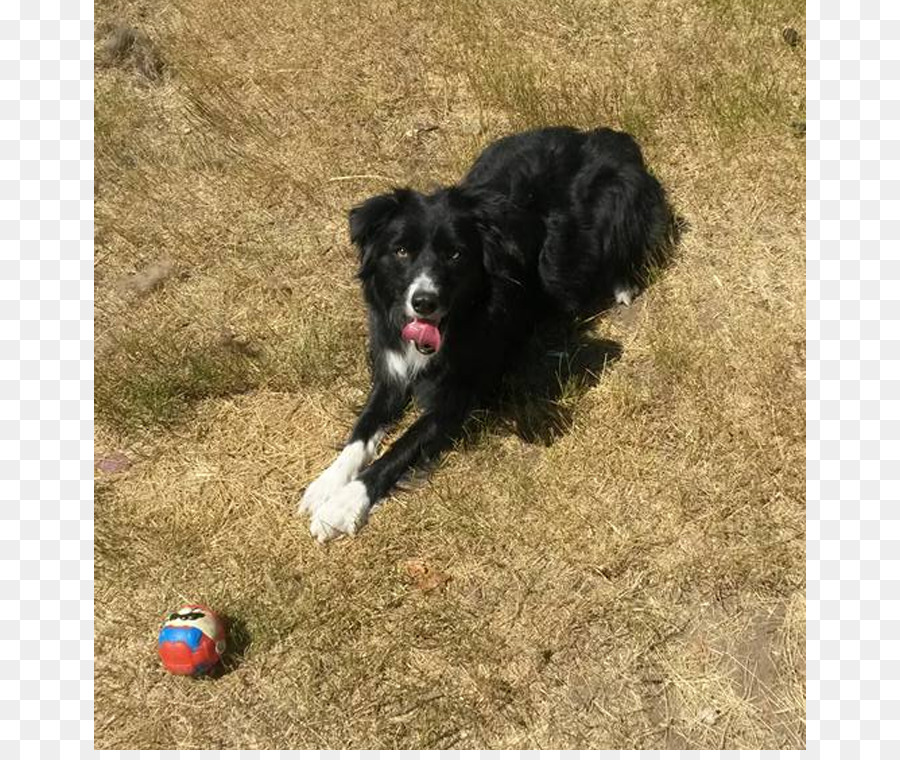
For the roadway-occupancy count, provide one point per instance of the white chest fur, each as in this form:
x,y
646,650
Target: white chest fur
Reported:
x,y
407,363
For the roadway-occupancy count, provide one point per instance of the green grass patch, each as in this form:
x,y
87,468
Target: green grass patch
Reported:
x,y
680,73
152,377
143,380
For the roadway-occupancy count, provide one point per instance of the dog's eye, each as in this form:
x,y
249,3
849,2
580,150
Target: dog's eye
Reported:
x,y
401,253
455,256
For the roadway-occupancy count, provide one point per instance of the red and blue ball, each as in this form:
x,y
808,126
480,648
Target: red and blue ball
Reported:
x,y
191,641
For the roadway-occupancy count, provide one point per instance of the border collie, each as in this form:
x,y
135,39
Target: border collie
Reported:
x,y
551,220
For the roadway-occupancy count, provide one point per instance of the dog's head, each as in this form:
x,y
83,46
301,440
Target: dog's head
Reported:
x,y
424,259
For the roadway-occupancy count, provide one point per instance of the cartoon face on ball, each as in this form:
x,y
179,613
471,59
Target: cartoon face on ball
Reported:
x,y
195,616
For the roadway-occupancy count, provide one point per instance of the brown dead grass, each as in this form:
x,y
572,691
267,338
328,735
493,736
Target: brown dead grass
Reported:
x,y
637,583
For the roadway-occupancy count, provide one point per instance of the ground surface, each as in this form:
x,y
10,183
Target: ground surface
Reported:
x,y
631,575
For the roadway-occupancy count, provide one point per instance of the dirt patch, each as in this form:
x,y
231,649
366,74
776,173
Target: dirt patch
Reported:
x,y
129,48
728,675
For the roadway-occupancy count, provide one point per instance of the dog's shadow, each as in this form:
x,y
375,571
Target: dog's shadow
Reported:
x,y
237,641
542,389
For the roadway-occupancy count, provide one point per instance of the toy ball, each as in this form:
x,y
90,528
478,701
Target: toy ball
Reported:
x,y
191,641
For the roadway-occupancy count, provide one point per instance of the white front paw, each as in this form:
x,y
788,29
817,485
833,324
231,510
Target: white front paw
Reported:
x,y
342,514
317,492
345,468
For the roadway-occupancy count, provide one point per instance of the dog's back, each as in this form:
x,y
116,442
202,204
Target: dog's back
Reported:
x,y
602,213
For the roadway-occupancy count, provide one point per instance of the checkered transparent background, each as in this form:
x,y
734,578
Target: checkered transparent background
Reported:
x,y
853,250
853,265
46,191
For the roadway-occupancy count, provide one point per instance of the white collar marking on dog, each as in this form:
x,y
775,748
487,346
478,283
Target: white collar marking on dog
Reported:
x,y
407,364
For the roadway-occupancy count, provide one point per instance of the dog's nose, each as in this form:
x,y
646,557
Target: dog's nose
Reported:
x,y
424,303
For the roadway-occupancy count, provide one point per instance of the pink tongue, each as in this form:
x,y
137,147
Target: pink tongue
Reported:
x,y
423,334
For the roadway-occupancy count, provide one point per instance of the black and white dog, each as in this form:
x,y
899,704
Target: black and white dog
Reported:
x,y
552,219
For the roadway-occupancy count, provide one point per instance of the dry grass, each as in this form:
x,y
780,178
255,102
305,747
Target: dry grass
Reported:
x,y
638,582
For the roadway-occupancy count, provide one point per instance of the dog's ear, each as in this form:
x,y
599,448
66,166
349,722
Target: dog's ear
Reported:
x,y
495,219
368,219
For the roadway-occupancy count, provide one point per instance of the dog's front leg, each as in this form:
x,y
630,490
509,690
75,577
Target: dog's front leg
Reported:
x,y
385,404
348,509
